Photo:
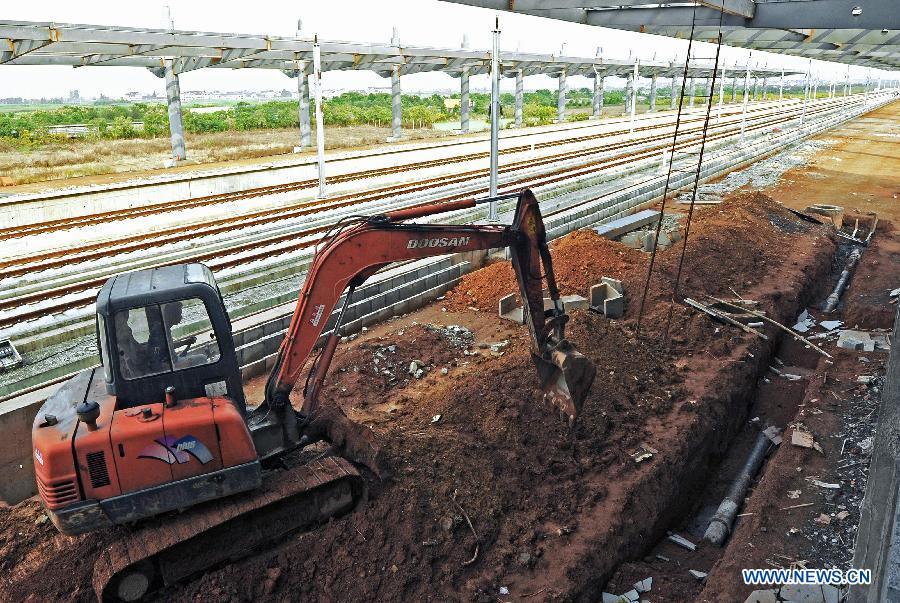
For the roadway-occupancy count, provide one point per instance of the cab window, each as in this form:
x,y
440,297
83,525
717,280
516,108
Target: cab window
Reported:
x,y
192,342
159,338
141,342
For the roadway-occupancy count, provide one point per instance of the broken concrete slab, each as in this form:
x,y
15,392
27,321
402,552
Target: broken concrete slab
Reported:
x,y
682,542
802,593
831,325
855,340
698,574
574,302
762,596
617,228
644,585
649,242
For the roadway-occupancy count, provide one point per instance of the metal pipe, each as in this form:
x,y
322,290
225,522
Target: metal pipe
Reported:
x,y
495,120
320,120
833,299
720,525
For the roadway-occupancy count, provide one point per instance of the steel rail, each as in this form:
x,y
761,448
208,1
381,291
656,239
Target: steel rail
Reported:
x,y
14,232
259,254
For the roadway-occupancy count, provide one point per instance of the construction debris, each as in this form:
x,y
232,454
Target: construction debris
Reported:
x,y
863,341
682,542
805,439
698,574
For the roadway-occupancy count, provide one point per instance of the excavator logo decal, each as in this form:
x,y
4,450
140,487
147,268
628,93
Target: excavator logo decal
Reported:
x,y
441,242
314,321
171,450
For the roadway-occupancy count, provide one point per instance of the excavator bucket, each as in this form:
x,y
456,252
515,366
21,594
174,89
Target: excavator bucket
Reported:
x,y
566,377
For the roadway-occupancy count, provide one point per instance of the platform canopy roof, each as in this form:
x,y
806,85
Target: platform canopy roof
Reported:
x,y
857,32
32,43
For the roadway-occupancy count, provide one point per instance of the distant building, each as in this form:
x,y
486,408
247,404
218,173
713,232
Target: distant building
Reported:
x,y
452,104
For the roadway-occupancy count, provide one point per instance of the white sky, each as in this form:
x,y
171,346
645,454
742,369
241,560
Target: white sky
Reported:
x,y
420,22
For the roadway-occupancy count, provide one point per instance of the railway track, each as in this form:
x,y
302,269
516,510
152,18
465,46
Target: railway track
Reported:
x,y
17,267
80,294
210,200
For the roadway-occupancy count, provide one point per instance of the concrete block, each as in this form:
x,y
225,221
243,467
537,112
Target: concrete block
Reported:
x,y
635,240
607,300
509,309
574,302
614,283
649,242
617,228
664,240
833,212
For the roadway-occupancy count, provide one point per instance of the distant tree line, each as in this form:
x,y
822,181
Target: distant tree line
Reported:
x,y
117,121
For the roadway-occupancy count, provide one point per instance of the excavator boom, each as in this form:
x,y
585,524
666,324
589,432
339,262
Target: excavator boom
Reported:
x,y
360,249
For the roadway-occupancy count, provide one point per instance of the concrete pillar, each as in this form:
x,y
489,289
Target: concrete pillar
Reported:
x,y
176,126
734,86
464,100
629,89
692,90
815,92
652,99
561,102
303,89
597,109
396,105
520,97
674,92
755,88
765,87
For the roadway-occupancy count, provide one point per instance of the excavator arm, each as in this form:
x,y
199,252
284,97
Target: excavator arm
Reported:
x,y
362,247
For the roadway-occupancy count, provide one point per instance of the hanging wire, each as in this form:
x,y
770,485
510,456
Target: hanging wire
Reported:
x,y
665,195
687,61
697,176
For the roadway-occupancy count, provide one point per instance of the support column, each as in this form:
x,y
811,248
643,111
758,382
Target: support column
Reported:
x,y
561,101
520,96
765,87
176,126
692,90
597,109
755,88
674,92
464,101
396,105
629,85
746,98
303,89
652,99
781,88
734,86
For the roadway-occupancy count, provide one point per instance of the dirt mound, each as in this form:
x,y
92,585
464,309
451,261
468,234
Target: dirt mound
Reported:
x,y
511,466
733,245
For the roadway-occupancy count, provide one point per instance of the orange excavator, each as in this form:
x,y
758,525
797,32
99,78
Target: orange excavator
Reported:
x,y
160,437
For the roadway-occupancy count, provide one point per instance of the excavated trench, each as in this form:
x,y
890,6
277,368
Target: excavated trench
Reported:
x,y
554,513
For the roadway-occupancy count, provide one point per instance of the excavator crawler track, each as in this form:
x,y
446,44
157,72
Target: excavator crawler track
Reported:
x,y
172,547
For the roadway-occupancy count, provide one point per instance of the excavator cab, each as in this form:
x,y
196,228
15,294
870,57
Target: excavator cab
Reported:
x,y
166,328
